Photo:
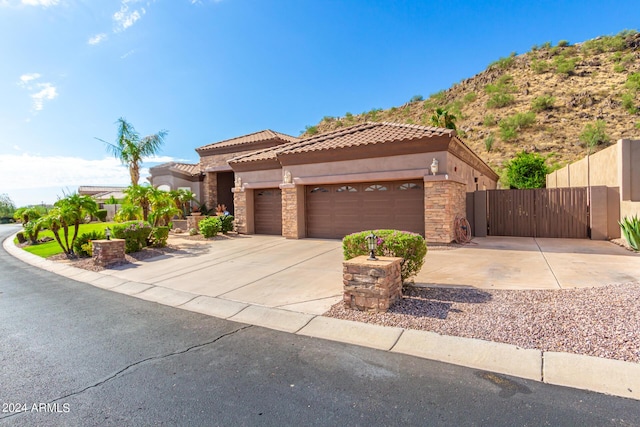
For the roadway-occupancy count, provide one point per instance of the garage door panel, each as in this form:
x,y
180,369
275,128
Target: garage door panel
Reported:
x,y
268,211
334,211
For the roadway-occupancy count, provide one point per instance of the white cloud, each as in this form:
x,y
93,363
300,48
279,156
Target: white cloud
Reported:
x,y
131,52
98,38
126,17
40,92
47,93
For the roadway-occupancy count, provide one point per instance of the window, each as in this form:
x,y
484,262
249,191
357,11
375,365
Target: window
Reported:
x,y
318,190
409,186
346,188
265,193
376,187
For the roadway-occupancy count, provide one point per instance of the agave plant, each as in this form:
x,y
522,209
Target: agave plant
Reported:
x,y
631,231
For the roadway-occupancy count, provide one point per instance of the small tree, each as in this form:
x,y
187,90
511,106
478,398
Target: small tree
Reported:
x,y
594,134
527,170
442,118
7,207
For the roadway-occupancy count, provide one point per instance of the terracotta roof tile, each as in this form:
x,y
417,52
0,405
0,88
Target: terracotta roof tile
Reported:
x,y
366,134
369,133
185,168
264,135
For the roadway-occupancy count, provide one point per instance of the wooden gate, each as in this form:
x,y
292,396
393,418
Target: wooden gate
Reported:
x,y
541,212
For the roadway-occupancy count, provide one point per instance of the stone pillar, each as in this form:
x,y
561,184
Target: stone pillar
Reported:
x,y
210,189
371,285
293,226
193,220
108,251
243,210
444,200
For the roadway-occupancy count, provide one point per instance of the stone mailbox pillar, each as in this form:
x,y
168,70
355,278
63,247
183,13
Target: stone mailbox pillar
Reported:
x,y
372,285
108,251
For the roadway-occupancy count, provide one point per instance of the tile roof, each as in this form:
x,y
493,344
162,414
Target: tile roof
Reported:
x,y
95,189
185,168
264,135
369,133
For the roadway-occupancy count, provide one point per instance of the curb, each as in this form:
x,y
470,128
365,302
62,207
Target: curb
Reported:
x,y
608,376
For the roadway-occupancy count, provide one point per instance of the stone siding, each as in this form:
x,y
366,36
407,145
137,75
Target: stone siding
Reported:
x,y
240,210
372,285
290,223
210,189
107,252
444,200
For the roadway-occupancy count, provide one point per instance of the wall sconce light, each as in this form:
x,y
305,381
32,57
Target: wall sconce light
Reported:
x,y
372,241
434,166
107,232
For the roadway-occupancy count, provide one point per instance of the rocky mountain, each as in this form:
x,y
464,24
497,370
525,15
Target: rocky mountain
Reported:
x,y
540,101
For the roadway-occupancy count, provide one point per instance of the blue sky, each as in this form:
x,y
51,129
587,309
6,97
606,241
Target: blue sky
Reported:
x,y
208,70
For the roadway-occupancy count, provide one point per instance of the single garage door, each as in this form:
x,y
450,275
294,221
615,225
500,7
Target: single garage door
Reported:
x,y
267,217
334,211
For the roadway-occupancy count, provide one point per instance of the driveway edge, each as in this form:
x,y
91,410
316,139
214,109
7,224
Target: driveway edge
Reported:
x,y
608,376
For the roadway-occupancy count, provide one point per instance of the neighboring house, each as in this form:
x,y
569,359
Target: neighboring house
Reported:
x,y
613,175
367,176
212,178
99,192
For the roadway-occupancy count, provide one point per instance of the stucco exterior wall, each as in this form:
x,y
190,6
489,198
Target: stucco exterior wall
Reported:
x,y
260,179
461,171
175,182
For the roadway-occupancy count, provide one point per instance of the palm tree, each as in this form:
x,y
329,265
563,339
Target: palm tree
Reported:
x,y
68,212
442,118
140,195
130,149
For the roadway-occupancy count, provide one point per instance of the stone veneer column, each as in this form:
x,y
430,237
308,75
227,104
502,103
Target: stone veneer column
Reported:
x,y
106,252
371,285
293,226
240,209
210,189
444,200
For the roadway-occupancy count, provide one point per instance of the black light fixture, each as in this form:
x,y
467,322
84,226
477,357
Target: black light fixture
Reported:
x,y
372,241
107,232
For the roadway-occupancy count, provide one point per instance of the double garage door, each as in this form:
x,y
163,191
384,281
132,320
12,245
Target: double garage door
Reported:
x,y
333,211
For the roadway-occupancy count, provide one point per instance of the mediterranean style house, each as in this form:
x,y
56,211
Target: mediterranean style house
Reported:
x,y
367,176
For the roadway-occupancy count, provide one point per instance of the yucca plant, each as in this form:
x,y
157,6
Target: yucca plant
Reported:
x,y
631,231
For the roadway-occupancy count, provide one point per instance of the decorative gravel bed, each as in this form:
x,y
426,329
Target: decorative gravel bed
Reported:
x,y
602,321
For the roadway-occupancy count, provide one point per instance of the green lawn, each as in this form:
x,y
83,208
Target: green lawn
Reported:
x,y
45,250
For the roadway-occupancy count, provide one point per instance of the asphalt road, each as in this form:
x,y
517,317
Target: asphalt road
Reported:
x,y
72,354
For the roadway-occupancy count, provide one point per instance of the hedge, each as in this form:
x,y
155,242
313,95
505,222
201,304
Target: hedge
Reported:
x,y
411,247
135,234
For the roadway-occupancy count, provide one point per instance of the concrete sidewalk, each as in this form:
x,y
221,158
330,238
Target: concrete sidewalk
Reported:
x,y
287,284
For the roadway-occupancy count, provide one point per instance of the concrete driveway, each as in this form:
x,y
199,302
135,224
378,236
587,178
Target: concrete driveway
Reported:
x,y
298,275
530,263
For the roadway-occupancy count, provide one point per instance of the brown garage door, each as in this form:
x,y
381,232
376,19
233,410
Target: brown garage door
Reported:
x,y
267,205
334,211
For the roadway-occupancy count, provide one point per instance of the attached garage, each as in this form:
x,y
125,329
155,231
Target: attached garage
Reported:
x,y
334,211
268,211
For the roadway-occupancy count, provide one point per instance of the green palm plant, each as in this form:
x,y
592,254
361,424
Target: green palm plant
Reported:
x,y
163,208
131,149
140,195
128,212
186,197
442,118
69,212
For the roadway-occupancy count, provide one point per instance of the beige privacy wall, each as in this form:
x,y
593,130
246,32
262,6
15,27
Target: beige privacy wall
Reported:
x,y
617,166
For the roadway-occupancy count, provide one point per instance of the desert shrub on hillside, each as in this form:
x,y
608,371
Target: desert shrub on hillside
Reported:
x,y
595,134
544,102
510,126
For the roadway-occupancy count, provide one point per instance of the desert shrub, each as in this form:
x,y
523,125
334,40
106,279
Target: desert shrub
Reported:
x,y
500,100
489,120
211,226
539,66
101,214
595,134
411,247
619,68
470,97
504,63
633,82
527,170
500,92
193,231
311,130
563,43
605,44
135,234
629,102
83,247
564,66
158,237
544,102
488,142
631,231
510,126
416,98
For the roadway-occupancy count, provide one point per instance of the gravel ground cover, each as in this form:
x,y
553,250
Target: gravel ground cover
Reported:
x,y
601,322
